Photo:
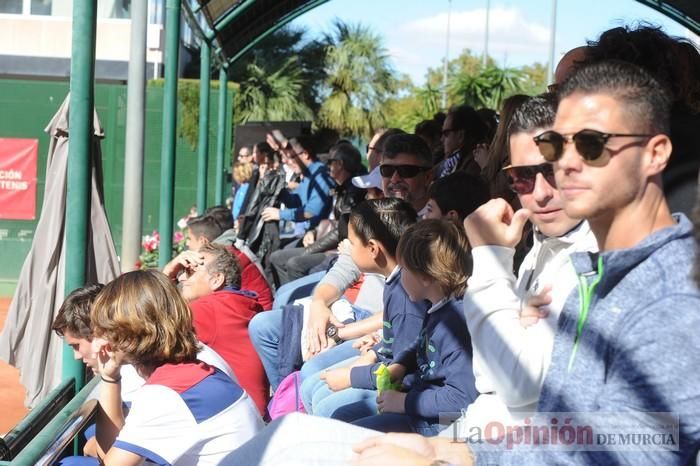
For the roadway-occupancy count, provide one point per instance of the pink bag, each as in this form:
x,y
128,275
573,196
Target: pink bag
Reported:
x,y
287,397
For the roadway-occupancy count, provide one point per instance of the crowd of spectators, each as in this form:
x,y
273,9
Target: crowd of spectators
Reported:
x,y
445,300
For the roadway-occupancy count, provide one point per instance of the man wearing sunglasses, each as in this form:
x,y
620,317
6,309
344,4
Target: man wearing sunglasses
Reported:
x,y
511,358
462,132
406,169
627,340
626,347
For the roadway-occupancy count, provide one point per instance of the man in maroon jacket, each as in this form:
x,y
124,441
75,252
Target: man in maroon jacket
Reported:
x,y
210,281
208,229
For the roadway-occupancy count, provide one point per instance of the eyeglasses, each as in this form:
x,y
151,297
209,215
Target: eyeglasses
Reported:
x,y
404,171
447,131
522,178
589,144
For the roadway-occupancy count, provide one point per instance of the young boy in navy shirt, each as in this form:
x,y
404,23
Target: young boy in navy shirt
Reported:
x,y
434,257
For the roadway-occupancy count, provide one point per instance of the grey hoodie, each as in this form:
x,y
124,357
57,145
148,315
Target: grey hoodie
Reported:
x,y
637,350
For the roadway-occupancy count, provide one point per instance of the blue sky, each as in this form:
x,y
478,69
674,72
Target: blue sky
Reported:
x,y
414,31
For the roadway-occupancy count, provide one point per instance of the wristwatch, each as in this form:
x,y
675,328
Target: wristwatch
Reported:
x,y
332,333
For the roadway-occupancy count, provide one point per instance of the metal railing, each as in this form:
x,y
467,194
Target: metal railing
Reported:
x,y
48,429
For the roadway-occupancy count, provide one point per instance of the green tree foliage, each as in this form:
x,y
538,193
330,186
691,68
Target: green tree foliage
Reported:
x,y
469,82
488,88
359,81
415,105
273,96
286,58
535,79
343,81
188,100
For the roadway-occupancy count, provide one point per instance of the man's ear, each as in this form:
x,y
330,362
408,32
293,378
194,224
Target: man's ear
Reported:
x,y
658,154
216,281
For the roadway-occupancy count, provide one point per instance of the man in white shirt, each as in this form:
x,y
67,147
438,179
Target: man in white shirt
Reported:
x,y
510,357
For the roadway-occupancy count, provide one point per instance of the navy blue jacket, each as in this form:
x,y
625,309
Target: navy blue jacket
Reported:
x,y
441,359
403,320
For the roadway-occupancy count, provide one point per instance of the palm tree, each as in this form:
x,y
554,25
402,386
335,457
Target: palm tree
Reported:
x,y
489,87
430,98
273,96
359,81
271,56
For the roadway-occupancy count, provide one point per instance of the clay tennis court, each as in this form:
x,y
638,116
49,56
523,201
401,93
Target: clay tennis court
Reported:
x,y
11,391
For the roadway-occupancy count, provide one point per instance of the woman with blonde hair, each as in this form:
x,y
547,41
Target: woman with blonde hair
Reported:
x,y
188,412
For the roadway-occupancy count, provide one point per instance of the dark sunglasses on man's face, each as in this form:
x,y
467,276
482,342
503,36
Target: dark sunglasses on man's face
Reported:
x,y
522,178
404,171
590,144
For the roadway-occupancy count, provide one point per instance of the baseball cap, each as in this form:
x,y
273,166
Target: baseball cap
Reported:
x,y
371,180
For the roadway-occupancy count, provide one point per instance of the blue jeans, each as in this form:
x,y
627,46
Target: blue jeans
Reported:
x,y
346,405
394,422
265,330
296,289
312,369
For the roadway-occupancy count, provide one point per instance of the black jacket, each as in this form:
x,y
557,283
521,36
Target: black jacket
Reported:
x,y
346,197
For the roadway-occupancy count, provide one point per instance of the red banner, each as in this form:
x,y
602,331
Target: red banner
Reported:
x,y
18,159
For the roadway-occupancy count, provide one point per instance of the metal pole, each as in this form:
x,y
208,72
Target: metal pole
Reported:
x,y
203,144
167,157
486,36
447,57
80,123
133,157
221,136
552,40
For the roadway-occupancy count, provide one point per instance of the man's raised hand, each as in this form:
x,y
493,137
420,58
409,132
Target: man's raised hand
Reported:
x,y
495,224
186,260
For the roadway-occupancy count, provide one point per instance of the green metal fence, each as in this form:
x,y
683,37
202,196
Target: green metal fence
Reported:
x,y
57,424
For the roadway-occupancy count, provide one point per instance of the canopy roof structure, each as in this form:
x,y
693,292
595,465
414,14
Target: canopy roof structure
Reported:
x,y
238,25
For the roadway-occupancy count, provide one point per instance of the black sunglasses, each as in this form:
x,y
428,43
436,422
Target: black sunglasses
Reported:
x,y
404,171
522,178
589,144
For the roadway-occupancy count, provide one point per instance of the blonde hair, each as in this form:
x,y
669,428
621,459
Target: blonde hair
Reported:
x,y
438,249
242,171
142,314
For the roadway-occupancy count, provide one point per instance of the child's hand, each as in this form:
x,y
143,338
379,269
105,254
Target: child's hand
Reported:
x,y
397,372
367,358
337,379
109,362
391,401
345,247
366,342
